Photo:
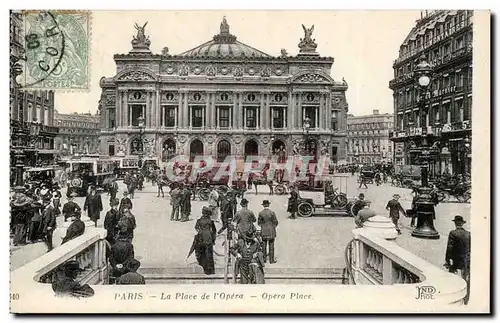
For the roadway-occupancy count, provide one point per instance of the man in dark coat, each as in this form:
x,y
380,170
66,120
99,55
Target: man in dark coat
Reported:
x,y
359,204
65,283
35,225
127,224
394,208
132,277
175,201
70,207
205,241
244,219
457,258
121,253
111,221
75,229
93,205
113,189
226,210
268,222
21,213
293,201
48,223
185,204
126,202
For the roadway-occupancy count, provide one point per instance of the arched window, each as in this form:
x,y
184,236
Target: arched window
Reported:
x,y
223,150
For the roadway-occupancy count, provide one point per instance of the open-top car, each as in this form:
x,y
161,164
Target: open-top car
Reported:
x,y
327,198
37,176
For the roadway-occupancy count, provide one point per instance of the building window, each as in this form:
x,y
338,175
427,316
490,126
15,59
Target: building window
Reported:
x,y
170,118
334,120
224,117
111,119
278,118
111,150
460,79
459,42
457,114
136,113
467,110
310,112
251,117
197,117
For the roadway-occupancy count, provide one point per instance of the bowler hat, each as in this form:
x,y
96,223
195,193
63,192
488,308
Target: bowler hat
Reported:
x,y
459,219
133,265
206,211
266,203
361,195
72,265
244,202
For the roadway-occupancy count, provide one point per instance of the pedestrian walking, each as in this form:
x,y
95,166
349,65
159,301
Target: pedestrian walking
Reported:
x,y
175,201
126,202
131,277
111,221
48,223
93,205
268,222
35,226
205,241
113,190
70,207
293,201
244,219
56,199
362,180
226,211
457,258
394,208
127,224
160,182
213,203
359,204
185,204
121,253
249,259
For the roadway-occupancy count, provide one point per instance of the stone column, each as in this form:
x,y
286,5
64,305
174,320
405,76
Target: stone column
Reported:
x,y
125,109
118,107
289,110
209,111
262,112
234,112
241,112
185,111
149,96
328,112
298,123
212,103
180,110
267,117
156,108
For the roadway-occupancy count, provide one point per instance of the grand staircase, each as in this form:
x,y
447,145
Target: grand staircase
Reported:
x,y
195,275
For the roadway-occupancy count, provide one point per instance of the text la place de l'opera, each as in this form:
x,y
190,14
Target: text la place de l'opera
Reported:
x,y
222,98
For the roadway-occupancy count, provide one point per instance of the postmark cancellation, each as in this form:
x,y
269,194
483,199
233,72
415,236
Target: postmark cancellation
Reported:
x,y
57,49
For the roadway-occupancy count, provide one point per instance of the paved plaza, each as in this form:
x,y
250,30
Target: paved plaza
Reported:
x,y
315,242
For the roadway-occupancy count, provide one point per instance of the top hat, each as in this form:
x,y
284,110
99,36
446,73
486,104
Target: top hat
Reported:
x,y
72,265
361,195
244,202
459,219
266,203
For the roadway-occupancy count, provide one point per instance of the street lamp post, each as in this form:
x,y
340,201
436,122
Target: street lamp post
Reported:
x,y
467,146
425,202
34,132
141,134
374,147
307,125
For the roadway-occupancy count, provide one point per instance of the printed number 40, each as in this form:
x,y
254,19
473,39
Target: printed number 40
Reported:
x,y
14,296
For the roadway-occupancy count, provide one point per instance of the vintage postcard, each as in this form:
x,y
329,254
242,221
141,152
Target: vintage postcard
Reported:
x,y
249,161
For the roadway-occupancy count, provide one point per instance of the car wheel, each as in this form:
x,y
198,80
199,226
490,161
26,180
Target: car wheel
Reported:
x,y
279,189
305,209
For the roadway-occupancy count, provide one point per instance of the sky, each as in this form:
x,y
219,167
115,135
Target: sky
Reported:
x,y
364,45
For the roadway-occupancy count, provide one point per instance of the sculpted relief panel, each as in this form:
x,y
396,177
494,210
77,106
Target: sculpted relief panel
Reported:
x,y
223,69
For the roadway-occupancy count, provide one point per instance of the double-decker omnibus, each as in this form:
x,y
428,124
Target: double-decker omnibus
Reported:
x,y
84,172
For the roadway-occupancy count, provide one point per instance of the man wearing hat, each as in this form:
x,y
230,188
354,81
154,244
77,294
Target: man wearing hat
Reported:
x,y
244,219
457,258
48,223
21,213
394,208
93,205
358,205
122,252
56,198
111,221
175,201
268,222
65,283
293,201
35,226
226,210
364,214
70,207
75,229
126,202
131,277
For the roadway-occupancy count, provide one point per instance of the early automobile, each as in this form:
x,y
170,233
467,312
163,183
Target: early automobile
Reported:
x,y
325,199
84,172
37,176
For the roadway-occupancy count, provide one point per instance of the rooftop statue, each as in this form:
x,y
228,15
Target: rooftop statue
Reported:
x,y
140,41
307,44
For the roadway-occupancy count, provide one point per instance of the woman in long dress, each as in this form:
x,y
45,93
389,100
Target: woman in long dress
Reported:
x,y
205,241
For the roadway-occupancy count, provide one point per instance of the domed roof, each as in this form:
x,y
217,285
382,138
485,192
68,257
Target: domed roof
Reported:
x,y
224,45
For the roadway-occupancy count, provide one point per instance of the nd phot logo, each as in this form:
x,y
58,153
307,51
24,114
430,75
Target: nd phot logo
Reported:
x,y
425,292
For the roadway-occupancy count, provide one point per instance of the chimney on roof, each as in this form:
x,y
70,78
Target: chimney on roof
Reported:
x,y
375,112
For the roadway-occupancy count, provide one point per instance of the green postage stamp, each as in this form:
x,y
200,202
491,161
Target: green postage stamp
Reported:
x,y
57,49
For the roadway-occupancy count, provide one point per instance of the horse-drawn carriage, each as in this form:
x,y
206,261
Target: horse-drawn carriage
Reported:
x,y
326,197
